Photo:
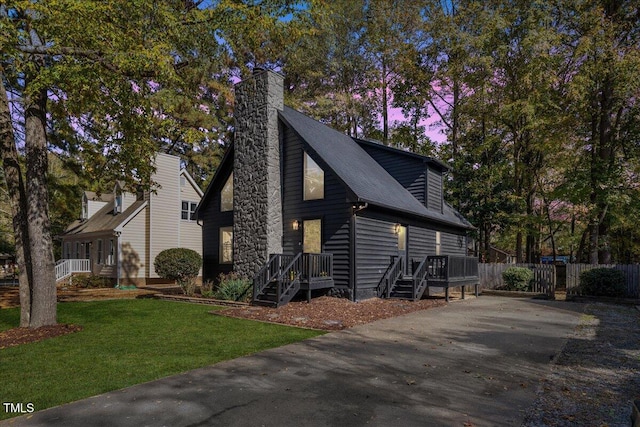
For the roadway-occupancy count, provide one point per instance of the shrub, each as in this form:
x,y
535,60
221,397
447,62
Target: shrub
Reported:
x,y
602,282
91,281
517,278
181,265
206,290
233,287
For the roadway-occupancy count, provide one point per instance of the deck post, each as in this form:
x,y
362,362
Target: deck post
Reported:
x,y
446,294
463,290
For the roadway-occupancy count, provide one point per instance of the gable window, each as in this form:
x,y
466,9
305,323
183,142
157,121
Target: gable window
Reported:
x,y
312,236
99,260
438,245
313,179
226,195
187,210
117,203
85,207
226,245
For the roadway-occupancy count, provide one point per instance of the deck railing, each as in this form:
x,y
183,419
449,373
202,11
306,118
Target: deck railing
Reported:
x,y
289,279
317,265
66,267
393,273
448,267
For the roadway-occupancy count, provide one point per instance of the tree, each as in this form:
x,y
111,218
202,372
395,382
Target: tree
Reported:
x,y
87,79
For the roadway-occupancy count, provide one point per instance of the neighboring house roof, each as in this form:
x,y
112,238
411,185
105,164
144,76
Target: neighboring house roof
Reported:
x,y
360,173
105,220
103,197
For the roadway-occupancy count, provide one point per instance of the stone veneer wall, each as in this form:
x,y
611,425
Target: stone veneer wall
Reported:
x,y
257,206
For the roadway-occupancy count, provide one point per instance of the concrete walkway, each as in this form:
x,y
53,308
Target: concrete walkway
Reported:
x,y
477,361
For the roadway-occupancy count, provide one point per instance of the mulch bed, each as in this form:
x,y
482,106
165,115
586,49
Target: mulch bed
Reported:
x,y
17,336
331,314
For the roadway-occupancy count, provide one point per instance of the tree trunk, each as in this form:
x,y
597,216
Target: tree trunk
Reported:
x,y
385,106
43,310
17,199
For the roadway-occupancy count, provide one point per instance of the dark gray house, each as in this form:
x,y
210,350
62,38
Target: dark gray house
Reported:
x,y
296,205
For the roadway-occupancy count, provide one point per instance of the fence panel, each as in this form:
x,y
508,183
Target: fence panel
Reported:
x,y
631,274
544,276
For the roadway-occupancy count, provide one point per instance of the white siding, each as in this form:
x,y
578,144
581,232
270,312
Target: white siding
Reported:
x,y
94,206
133,248
190,231
164,232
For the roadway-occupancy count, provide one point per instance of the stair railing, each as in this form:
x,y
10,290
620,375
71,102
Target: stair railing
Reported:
x,y
288,280
269,271
420,279
391,276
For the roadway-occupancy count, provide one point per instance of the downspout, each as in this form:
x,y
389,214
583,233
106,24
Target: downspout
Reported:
x,y
118,255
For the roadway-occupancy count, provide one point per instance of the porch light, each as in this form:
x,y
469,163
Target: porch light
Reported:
x,y
396,229
296,225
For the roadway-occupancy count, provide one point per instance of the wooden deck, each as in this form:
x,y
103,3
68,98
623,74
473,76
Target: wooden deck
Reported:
x,y
449,271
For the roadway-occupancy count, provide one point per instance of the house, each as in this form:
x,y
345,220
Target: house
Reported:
x,y
296,205
120,234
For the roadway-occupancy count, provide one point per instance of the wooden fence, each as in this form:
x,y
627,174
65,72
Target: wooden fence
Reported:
x,y
544,280
631,274
544,276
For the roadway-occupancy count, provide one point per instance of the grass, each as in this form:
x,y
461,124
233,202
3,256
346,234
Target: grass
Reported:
x,y
126,342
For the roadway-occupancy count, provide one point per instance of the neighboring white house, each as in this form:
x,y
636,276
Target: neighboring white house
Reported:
x,y
122,233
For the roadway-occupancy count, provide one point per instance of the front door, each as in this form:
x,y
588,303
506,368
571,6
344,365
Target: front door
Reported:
x,y
402,246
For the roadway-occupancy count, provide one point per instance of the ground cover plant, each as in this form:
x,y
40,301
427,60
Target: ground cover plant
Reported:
x,y
126,342
517,278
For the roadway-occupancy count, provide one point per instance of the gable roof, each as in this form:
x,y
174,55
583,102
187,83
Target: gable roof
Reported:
x,y
104,220
360,173
432,161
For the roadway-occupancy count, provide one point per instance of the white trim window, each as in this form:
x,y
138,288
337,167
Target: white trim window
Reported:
x,y
438,243
100,253
111,253
187,210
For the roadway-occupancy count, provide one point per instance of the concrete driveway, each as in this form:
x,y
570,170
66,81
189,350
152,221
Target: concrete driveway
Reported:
x,y
476,362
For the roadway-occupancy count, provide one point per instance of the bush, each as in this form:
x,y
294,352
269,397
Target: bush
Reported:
x,y
206,290
602,282
233,287
91,281
181,265
517,278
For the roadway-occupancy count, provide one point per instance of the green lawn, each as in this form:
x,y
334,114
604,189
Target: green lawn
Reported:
x,y
126,342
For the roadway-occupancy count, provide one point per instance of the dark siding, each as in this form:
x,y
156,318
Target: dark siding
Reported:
x,y
450,243
212,220
408,171
376,242
422,242
434,189
333,209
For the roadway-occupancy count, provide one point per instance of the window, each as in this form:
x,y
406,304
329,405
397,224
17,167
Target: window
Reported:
x,y
226,195
437,243
117,203
226,245
111,254
99,260
402,238
87,250
312,236
85,207
313,179
188,209
67,250
77,250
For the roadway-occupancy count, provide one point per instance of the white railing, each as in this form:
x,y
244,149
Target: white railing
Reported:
x,y
66,267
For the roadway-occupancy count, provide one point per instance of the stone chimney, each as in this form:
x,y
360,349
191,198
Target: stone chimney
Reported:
x,y
257,206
